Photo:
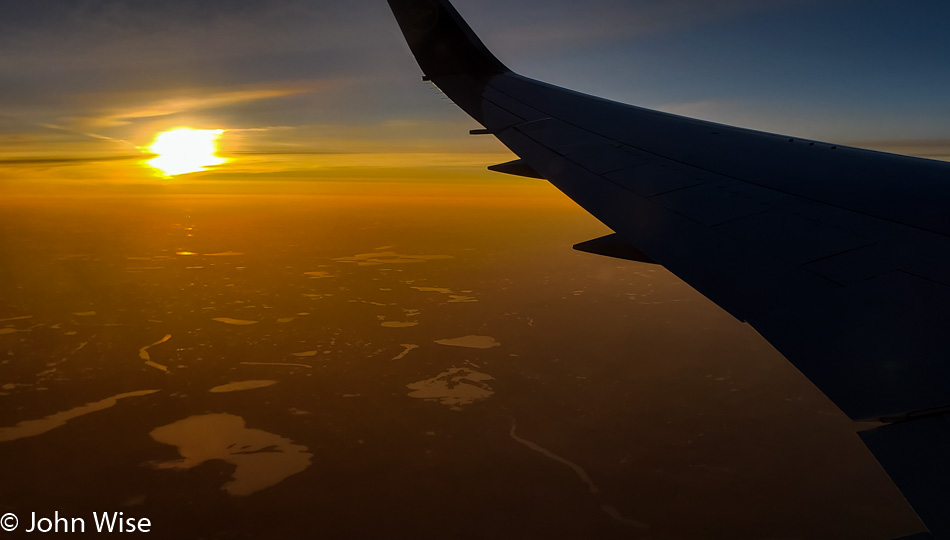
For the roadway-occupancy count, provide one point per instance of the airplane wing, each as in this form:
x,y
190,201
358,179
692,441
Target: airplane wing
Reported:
x,y
838,256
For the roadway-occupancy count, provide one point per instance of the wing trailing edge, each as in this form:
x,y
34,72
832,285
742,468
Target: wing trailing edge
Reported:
x,y
914,453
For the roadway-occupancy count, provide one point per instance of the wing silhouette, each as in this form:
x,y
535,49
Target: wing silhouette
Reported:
x,y
838,256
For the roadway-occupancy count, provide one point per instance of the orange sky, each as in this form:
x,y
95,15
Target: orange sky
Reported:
x,y
312,90
60,158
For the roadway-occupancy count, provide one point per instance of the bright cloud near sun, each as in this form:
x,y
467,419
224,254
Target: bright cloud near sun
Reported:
x,y
185,150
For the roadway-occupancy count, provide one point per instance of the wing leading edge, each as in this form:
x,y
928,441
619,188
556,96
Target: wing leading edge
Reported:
x,y
838,256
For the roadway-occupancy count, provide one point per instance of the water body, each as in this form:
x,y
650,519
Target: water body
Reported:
x,y
454,387
453,298
608,509
235,322
261,459
318,274
285,364
398,324
471,342
407,348
239,386
389,257
32,428
144,355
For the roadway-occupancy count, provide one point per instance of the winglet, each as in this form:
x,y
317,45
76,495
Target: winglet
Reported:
x,y
442,41
449,53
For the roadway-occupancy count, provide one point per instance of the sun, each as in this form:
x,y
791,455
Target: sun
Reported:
x,y
185,150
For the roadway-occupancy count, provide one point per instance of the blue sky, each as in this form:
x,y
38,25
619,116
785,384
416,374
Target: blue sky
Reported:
x,y
841,70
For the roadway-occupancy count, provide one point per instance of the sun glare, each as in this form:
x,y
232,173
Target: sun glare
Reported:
x,y
185,150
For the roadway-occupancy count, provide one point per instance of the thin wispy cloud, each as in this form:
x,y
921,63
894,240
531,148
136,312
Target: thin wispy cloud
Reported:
x,y
178,105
